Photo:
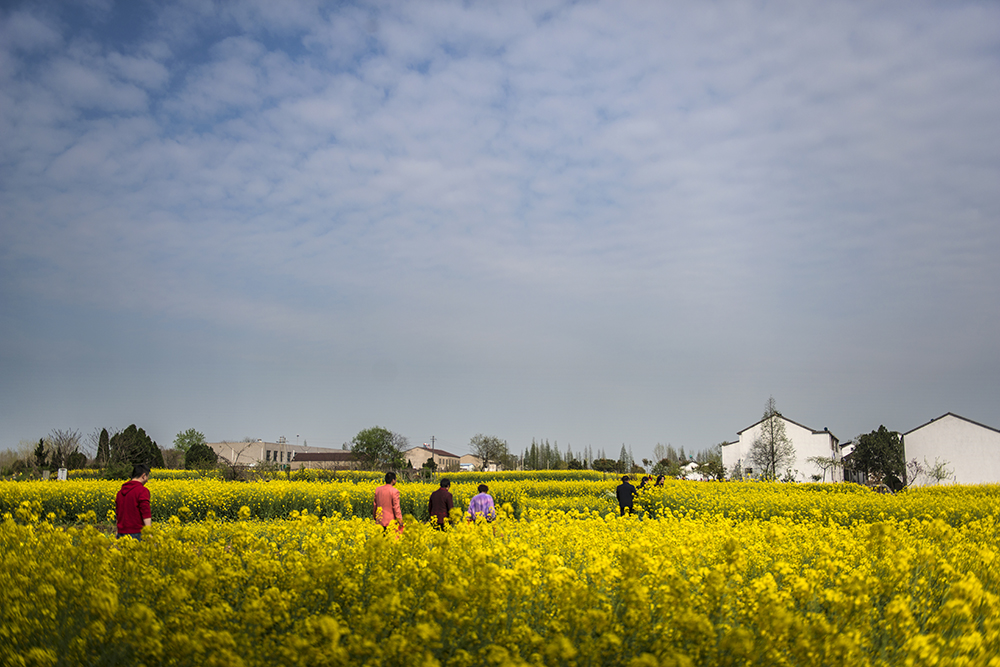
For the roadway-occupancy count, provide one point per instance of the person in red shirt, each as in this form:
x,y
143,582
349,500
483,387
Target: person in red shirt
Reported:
x,y
132,504
386,506
441,504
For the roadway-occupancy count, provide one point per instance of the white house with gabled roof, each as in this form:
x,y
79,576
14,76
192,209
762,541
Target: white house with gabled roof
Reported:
x,y
807,442
971,450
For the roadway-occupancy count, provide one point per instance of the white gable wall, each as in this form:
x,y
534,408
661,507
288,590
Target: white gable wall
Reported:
x,y
971,450
807,443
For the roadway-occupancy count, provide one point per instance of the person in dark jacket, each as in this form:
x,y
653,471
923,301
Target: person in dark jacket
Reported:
x,y
626,494
441,504
132,505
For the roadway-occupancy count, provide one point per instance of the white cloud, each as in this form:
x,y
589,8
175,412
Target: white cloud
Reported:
x,y
26,32
631,184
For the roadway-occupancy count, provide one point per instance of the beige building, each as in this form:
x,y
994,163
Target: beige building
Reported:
x,y
250,453
418,456
470,462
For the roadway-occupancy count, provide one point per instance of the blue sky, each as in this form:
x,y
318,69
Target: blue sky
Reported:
x,y
597,223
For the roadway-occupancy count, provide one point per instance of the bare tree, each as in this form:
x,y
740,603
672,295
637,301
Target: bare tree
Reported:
x,y
771,449
61,445
939,470
825,463
489,449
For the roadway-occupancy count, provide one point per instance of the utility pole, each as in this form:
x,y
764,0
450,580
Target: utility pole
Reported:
x,y
432,449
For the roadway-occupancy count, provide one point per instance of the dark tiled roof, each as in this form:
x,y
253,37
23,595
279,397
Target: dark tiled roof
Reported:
x,y
951,414
437,452
791,421
325,456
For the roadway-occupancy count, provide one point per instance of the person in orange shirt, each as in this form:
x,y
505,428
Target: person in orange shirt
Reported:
x,y
386,506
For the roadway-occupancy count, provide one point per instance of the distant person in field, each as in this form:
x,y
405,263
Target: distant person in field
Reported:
x,y
643,481
482,505
386,508
441,504
132,511
659,480
626,495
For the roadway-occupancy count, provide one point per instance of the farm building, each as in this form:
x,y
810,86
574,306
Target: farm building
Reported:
x,y
971,451
259,451
418,456
807,443
470,462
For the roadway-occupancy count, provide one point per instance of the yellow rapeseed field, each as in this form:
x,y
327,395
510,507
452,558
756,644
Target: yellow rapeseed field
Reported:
x,y
284,573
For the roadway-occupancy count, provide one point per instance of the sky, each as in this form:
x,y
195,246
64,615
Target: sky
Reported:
x,y
593,223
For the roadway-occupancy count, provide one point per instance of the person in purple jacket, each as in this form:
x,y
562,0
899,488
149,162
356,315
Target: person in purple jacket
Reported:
x,y
482,505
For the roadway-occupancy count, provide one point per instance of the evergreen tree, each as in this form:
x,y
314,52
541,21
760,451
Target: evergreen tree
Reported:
x,y
200,456
880,455
41,457
133,447
76,460
103,448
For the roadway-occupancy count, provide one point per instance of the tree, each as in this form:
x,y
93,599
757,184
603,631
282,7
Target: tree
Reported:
x,y
103,448
491,449
710,462
41,456
604,465
173,458
379,448
667,468
200,456
624,460
132,447
187,438
939,471
879,454
62,444
771,450
824,463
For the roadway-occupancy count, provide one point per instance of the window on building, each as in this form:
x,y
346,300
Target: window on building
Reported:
x,y
268,455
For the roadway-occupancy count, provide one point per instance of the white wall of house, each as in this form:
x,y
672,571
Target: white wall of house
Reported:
x,y
806,441
972,450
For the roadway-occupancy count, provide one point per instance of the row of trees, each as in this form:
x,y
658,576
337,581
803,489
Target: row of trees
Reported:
x,y
116,453
378,448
